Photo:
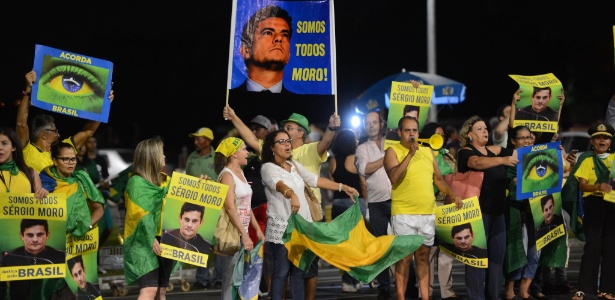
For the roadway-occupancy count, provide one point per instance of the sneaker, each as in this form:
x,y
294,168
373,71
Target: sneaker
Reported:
x,y
384,294
349,288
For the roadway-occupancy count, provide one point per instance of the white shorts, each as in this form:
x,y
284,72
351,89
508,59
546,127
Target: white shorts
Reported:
x,y
424,225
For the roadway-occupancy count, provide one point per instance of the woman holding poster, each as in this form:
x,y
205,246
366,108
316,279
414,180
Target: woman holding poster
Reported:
x,y
592,173
84,202
475,155
521,262
17,177
230,156
145,192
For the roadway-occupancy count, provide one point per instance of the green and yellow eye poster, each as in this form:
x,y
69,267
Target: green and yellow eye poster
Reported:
x,y
72,84
540,170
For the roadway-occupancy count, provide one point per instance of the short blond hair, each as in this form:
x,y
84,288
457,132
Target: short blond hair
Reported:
x,y
464,139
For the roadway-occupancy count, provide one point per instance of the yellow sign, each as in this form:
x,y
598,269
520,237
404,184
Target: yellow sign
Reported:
x,y
25,205
201,192
183,255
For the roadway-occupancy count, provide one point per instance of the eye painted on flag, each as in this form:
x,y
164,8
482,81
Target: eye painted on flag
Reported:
x,y
73,85
540,170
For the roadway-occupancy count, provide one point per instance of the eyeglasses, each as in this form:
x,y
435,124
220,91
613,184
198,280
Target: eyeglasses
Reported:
x,y
54,131
67,160
284,141
524,138
289,128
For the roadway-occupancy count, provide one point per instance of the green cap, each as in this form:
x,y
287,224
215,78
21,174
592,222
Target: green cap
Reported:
x,y
300,120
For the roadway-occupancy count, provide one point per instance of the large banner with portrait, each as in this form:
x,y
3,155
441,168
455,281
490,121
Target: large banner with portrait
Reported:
x,y
33,240
407,100
548,219
280,48
461,232
191,212
540,170
539,106
72,84
82,264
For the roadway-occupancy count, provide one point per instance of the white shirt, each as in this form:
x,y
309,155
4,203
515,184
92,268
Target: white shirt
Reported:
x,y
243,197
378,183
278,207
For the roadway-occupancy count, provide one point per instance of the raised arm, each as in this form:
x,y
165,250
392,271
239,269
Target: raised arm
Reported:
x,y
88,129
244,131
23,132
513,108
610,112
561,98
327,138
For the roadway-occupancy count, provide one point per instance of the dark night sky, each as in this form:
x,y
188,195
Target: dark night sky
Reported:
x,y
168,55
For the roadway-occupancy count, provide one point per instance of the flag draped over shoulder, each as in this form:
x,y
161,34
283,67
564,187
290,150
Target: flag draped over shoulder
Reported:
x,y
118,185
143,214
78,188
346,244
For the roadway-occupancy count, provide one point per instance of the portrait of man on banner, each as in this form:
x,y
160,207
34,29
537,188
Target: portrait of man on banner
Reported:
x,y
542,97
461,233
282,47
72,84
548,219
191,212
82,278
540,171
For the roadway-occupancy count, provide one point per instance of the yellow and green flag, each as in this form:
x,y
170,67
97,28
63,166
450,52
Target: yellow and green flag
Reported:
x,y
118,185
346,244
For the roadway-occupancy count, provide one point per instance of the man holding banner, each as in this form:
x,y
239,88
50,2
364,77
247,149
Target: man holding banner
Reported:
x,y
413,171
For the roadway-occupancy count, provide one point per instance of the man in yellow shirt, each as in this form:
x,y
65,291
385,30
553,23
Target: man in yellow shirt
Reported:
x,y
37,139
413,171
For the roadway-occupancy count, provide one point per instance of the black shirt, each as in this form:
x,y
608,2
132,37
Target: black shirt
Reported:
x,y
197,243
492,198
19,257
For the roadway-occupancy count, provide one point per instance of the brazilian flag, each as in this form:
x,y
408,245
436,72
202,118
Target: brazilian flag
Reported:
x,y
143,214
346,244
78,187
118,185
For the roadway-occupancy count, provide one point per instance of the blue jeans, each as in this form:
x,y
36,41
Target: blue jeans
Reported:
x,y
495,230
282,267
379,218
202,274
533,256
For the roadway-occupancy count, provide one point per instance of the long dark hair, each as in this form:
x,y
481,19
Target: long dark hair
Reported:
x,y
17,155
268,143
344,143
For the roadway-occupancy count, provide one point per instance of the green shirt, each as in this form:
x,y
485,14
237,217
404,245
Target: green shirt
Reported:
x,y
197,165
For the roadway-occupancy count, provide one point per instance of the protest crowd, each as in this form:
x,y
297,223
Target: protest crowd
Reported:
x,y
402,198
